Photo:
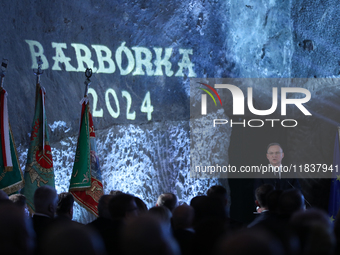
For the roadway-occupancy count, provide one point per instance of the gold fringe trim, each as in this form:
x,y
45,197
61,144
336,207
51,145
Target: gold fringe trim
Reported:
x,y
14,187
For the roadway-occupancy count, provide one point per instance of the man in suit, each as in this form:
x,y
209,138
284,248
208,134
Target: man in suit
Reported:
x,y
45,203
275,155
65,207
104,221
261,195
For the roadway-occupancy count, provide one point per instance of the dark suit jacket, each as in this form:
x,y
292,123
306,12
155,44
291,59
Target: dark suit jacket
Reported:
x,y
40,226
110,231
279,184
261,218
184,239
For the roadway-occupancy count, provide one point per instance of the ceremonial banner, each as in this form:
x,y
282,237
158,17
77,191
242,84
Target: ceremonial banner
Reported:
x,y
334,195
86,182
11,178
39,166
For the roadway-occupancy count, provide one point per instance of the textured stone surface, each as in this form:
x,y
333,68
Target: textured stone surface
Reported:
x,y
315,40
177,25
144,160
290,39
260,38
141,156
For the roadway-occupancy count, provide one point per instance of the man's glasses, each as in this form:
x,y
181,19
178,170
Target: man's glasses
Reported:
x,y
274,153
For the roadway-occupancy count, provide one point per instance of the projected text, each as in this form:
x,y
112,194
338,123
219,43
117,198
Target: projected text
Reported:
x,y
113,104
134,60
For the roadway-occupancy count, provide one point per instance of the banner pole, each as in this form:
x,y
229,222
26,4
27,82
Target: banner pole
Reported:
x,y
3,71
38,71
88,74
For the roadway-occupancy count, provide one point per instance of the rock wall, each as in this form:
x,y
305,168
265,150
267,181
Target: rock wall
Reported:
x,y
143,54
294,39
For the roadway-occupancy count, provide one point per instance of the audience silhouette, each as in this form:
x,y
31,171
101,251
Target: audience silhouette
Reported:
x,y
125,226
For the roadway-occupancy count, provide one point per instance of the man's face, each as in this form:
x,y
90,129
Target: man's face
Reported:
x,y
275,155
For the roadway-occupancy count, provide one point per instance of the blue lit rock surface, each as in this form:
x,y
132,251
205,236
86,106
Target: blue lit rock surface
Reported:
x,y
144,160
144,155
260,38
297,39
316,41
